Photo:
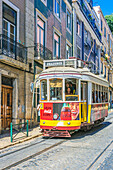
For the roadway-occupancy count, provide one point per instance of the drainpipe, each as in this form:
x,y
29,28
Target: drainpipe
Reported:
x,y
26,62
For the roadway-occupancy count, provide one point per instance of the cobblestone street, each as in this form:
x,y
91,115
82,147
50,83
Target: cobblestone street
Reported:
x,y
84,150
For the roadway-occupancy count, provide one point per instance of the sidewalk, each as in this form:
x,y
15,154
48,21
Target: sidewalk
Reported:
x,y
5,139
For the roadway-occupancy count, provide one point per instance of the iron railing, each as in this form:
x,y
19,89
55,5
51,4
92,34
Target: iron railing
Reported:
x,y
90,18
42,52
12,49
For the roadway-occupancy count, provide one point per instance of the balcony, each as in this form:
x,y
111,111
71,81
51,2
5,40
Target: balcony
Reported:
x,y
12,49
90,18
42,53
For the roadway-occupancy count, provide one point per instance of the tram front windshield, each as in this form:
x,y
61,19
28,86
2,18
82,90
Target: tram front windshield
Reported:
x,y
56,89
56,92
71,89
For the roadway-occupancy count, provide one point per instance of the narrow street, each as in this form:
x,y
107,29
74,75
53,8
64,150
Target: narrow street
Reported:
x,y
84,150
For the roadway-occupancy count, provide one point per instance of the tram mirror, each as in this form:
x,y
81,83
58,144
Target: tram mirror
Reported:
x,y
44,90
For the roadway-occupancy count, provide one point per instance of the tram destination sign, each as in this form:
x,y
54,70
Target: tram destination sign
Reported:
x,y
54,63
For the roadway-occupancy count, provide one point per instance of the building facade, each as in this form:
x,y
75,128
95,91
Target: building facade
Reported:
x,y
16,61
53,32
86,35
106,51
33,31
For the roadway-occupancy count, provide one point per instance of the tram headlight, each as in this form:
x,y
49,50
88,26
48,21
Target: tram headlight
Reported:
x,y
43,122
68,123
55,116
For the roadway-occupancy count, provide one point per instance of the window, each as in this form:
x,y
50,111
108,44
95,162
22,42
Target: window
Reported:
x,y
101,25
57,8
104,32
9,26
101,68
106,94
97,94
78,52
44,90
105,71
56,46
85,36
91,42
110,44
83,90
68,20
93,93
100,99
105,50
86,57
108,38
56,89
71,90
9,14
40,31
68,51
78,27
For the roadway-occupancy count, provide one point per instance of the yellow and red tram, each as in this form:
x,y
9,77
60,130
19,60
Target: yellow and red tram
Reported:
x,y
71,98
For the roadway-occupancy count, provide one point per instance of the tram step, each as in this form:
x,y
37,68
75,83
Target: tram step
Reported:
x,y
56,133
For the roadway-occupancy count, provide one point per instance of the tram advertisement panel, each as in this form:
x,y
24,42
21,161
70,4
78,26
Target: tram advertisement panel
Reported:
x,y
99,111
59,111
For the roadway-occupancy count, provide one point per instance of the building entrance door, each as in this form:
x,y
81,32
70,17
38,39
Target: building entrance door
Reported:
x,y
6,106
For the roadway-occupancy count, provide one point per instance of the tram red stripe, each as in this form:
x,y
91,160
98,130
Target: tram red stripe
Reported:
x,y
60,128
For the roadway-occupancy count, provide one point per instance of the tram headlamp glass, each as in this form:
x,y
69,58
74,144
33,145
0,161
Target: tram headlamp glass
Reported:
x,y
55,116
43,122
68,123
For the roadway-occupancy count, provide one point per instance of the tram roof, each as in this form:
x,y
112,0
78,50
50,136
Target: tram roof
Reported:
x,y
79,71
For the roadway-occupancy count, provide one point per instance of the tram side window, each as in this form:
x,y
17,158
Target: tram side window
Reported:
x,y
93,93
106,91
104,94
71,89
97,94
56,89
44,90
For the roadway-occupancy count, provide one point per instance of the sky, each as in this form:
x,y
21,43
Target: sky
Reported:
x,y
106,6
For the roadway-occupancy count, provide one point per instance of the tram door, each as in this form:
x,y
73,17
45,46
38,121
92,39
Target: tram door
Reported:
x,y
83,101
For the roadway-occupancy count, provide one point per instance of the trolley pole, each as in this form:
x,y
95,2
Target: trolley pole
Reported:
x,y
11,132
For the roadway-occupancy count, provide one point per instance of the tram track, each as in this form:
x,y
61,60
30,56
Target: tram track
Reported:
x,y
33,155
3,155
78,134
99,156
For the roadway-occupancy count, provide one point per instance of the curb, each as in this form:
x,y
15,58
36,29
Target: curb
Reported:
x,y
21,141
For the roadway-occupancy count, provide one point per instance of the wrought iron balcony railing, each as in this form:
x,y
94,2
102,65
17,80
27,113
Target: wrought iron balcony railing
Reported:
x,y
42,52
90,18
12,49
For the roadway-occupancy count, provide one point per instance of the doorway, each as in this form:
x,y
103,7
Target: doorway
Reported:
x,y
6,102
83,101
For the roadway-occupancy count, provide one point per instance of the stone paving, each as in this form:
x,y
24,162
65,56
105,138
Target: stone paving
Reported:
x,y
107,163
5,139
76,153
